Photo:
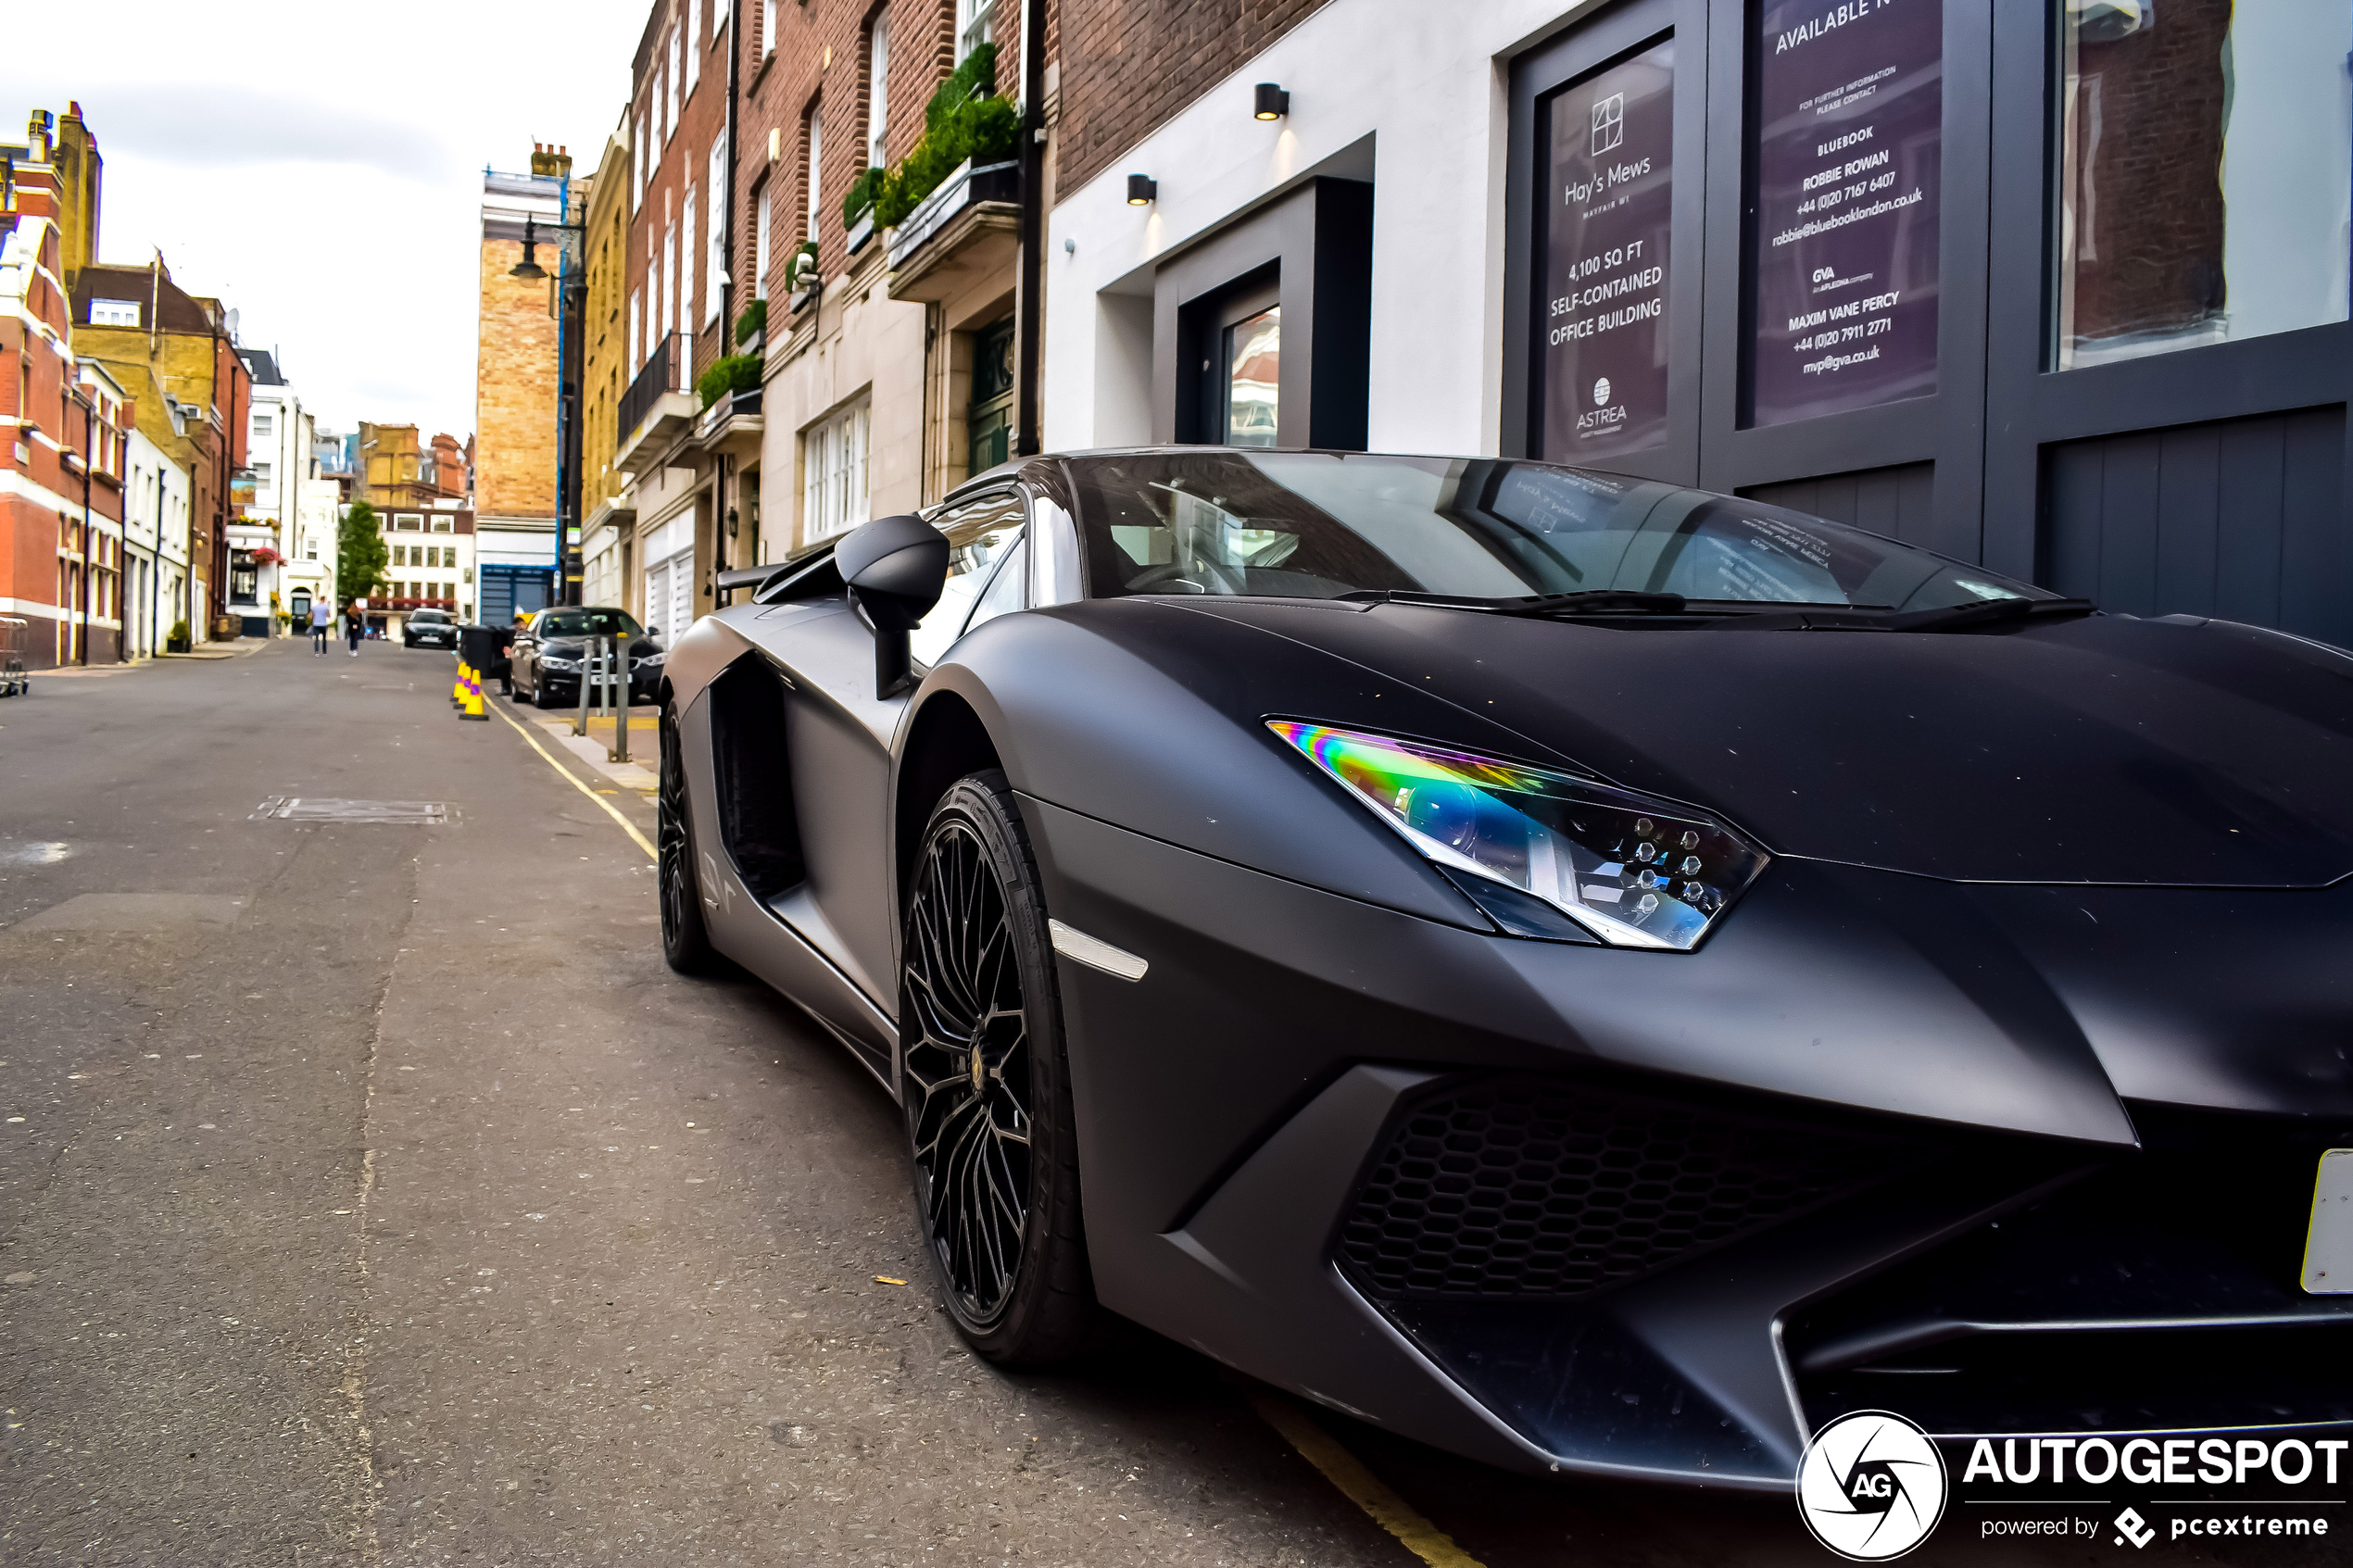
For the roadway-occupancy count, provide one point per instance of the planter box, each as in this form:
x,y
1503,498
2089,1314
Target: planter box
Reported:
x,y
862,233
966,186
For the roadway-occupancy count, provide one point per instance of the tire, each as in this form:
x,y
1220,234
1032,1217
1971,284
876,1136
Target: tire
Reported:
x,y
985,1083
686,941
539,694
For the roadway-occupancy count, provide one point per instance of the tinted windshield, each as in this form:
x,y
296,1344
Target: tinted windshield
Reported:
x,y
1320,525
587,623
425,616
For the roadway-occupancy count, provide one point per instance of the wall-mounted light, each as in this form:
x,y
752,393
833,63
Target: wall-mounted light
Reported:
x,y
1273,102
1142,190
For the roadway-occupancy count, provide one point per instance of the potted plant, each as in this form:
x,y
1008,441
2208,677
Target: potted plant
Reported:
x,y
751,323
176,640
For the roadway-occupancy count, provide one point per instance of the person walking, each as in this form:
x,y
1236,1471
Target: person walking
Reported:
x,y
321,620
356,625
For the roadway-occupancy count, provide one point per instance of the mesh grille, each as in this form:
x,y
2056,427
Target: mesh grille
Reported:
x,y
1536,1187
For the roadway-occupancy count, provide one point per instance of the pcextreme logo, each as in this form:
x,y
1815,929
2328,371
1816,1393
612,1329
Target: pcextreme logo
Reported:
x,y
1871,1486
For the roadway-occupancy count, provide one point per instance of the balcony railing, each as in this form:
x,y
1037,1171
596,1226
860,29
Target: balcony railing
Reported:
x,y
666,371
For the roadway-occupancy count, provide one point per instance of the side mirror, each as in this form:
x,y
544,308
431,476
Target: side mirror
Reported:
x,y
895,569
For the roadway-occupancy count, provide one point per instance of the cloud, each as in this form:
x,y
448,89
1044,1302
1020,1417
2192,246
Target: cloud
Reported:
x,y
190,125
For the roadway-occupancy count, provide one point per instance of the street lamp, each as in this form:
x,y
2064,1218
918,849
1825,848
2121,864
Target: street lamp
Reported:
x,y
528,269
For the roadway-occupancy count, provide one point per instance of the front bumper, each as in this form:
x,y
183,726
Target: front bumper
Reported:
x,y
1576,1209
643,684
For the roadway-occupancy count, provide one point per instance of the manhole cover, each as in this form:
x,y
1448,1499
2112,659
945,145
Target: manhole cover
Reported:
x,y
317,808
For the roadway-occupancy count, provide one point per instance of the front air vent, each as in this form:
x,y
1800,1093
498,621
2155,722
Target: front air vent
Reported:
x,y
1523,1187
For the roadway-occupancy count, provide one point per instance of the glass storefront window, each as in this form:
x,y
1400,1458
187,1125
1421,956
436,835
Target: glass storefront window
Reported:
x,y
1254,378
2204,154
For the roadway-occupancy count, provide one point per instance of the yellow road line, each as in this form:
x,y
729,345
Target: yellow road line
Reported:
x,y
573,779
1359,1485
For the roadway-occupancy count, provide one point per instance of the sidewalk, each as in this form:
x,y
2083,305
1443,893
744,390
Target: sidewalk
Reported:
x,y
641,772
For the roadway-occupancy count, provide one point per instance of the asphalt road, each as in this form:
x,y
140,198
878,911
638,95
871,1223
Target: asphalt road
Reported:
x,y
371,1193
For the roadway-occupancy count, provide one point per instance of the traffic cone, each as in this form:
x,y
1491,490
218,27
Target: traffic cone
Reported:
x,y
457,692
473,698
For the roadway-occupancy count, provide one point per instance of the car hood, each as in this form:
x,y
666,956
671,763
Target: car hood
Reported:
x,y
2101,749
574,648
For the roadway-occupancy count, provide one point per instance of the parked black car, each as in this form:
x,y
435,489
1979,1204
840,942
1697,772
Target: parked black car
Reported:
x,y
1590,974
430,629
549,649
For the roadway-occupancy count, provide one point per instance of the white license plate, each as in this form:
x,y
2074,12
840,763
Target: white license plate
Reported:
x,y
2328,1245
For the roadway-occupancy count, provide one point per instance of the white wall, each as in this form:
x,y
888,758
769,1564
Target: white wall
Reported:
x,y
1428,83
156,525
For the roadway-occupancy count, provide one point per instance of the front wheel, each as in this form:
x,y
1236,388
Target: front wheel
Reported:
x,y
539,694
985,1080
686,941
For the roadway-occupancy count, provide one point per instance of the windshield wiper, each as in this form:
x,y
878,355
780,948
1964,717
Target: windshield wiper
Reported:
x,y
1986,612
1591,601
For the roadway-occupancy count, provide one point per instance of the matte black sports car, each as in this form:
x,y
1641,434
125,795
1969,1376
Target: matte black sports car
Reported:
x,y
1596,975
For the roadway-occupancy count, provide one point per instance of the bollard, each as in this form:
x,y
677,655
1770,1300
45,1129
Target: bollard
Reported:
x,y
473,698
618,751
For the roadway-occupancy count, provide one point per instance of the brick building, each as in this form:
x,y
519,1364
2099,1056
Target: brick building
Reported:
x,y
62,468
607,499
889,344
517,439
684,463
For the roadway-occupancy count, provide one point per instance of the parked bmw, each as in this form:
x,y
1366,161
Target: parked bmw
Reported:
x,y
1597,975
549,649
429,629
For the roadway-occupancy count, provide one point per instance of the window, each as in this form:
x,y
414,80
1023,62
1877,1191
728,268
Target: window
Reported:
x,y
443,525
975,25
980,535
411,520
653,151
263,426
638,191
670,281
767,28
834,465
675,43
260,477
877,90
686,262
2205,151
760,244
715,262
1254,378
813,134
114,312
694,43
636,332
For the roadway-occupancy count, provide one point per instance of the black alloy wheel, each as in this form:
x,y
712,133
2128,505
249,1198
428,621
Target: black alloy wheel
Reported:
x,y
985,1079
539,691
686,941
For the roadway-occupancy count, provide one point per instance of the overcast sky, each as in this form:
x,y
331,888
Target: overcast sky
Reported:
x,y
318,167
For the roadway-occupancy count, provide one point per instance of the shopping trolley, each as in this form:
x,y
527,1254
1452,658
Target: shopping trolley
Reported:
x,y
14,631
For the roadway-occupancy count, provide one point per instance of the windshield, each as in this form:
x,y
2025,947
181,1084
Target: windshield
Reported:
x,y
1321,525
587,623
423,615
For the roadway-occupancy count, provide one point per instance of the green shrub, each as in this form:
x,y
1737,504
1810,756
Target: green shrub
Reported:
x,y
976,78
755,316
860,196
738,372
983,129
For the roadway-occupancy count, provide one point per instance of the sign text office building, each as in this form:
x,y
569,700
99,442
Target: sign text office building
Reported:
x,y
2056,285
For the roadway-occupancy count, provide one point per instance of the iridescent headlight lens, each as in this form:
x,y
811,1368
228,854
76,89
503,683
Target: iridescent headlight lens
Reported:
x,y
1635,871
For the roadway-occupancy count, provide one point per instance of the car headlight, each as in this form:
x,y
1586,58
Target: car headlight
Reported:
x,y
1634,871
566,665
651,659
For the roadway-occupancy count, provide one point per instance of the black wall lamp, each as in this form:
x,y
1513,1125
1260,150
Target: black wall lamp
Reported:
x,y
1273,102
1142,190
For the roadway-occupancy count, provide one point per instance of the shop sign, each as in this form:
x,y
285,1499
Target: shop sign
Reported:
x,y
1602,336
1850,104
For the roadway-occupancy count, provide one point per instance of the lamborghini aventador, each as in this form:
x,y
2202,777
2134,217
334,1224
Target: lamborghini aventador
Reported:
x,y
1596,975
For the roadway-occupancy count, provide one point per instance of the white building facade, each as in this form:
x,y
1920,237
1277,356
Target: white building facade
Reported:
x,y
154,555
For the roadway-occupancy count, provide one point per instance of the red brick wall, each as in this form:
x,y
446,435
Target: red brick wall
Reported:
x,y
820,58
1128,67
678,160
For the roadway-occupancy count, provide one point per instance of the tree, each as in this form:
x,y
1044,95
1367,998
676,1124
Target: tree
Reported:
x,y
360,556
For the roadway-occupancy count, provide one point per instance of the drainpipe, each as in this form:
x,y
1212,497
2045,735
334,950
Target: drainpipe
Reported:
x,y
89,434
1033,201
